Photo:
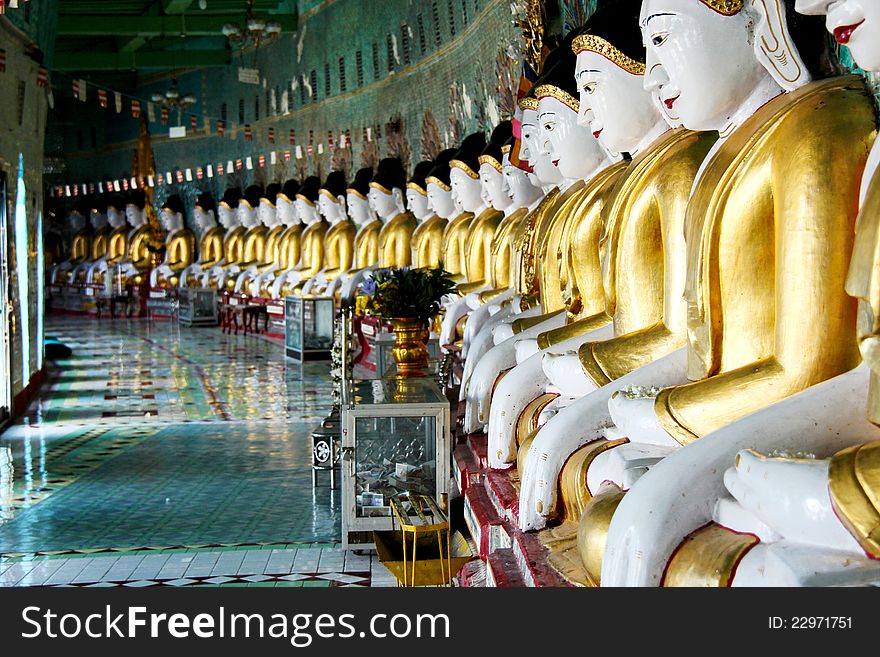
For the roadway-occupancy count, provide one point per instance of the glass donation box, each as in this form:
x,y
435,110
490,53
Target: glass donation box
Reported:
x,y
395,442
198,306
308,327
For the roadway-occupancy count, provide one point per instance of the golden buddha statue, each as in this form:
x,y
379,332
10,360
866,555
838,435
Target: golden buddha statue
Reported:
x,y
427,239
210,240
312,241
339,241
288,247
101,231
269,217
117,247
180,244
140,258
387,201
254,246
455,234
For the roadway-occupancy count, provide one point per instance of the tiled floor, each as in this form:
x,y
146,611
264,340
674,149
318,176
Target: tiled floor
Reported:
x,y
159,455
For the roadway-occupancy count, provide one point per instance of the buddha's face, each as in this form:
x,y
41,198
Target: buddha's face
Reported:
x,y
854,23
440,201
466,192
267,214
97,219
701,63
116,217
286,211
417,204
170,220
492,185
614,105
203,220
307,211
247,215
330,208
382,203
227,216
570,147
76,221
358,209
543,166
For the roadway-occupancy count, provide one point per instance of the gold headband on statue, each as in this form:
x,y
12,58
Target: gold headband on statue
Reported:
x,y
598,45
462,166
246,202
505,149
549,91
380,187
417,188
491,161
267,202
352,190
725,7
328,194
284,196
528,103
442,185
302,197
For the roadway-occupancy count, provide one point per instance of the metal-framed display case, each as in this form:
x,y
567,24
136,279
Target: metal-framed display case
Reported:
x,y
308,327
395,441
383,347
198,306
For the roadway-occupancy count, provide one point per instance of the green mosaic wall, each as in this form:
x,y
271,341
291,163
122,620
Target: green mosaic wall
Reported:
x,y
453,73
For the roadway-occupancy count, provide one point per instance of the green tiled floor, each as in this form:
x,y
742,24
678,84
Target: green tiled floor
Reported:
x,y
151,436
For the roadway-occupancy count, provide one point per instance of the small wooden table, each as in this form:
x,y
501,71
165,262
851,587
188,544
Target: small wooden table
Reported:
x,y
428,520
245,317
252,315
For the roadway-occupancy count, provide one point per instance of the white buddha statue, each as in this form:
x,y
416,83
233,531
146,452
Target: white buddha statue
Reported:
x,y
787,495
100,238
117,240
340,237
210,240
577,155
267,213
253,240
180,244
517,187
642,250
80,245
288,247
233,241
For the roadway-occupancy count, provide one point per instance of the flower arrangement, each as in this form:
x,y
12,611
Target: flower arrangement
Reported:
x,y
407,293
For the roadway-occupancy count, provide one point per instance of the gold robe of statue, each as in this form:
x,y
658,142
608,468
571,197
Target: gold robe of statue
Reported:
x,y
288,250
180,250
526,252
270,249
770,232
455,238
211,247
101,242
81,246
366,245
254,247
479,261
395,240
140,256
117,246
339,248
502,253
427,242
312,255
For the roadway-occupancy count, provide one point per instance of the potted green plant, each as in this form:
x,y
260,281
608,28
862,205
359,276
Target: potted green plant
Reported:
x,y
409,299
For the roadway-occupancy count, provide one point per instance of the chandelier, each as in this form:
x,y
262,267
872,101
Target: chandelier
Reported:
x,y
172,99
257,30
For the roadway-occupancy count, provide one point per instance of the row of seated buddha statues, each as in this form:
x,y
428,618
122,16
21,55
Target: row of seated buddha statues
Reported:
x,y
105,232
674,372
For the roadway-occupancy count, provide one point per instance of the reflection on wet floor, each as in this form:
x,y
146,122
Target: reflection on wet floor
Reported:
x,y
153,436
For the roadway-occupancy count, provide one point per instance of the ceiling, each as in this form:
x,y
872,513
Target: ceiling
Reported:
x,y
153,35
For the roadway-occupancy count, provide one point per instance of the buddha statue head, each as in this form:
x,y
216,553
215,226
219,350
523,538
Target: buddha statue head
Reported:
x,y
464,174
205,212
386,188
438,185
307,200
356,197
417,190
331,198
135,208
172,215
78,216
268,211
247,207
116,211
543,170
853,23
700,56
285,203
98,213
227,211
491,170
569,146
515,182
609,73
